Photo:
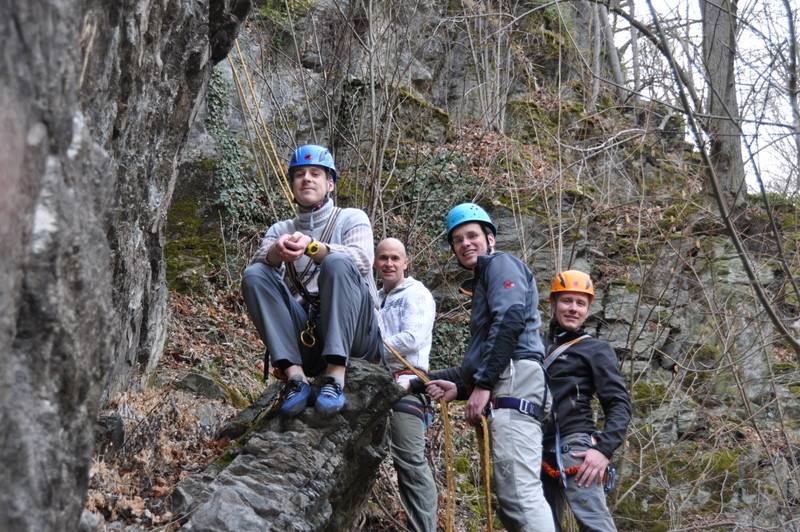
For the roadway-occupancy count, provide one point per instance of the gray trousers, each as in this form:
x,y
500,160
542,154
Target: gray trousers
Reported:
x,y
517,451
346,324
414,476
587,504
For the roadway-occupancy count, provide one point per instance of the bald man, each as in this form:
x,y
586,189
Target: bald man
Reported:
x,y
407,311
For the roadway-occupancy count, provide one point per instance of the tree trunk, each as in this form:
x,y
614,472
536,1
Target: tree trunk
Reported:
x,y
723,127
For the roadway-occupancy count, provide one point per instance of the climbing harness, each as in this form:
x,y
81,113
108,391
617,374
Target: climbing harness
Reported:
x,y
308,336
423,412
449,452
523,405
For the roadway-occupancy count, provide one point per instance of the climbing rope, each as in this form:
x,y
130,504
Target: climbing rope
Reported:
x,y
482,433
261,132
449,453
259,126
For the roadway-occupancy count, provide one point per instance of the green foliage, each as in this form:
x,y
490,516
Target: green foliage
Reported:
x,y
785,367
675,217
450,339
282,11
239,192
632,251
425,189
634,515
462,465
192,251
647,396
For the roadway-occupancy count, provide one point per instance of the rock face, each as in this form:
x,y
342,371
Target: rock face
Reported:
x,y
96,100
303,473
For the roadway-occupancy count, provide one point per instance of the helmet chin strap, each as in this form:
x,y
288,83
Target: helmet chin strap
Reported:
x,y
316,206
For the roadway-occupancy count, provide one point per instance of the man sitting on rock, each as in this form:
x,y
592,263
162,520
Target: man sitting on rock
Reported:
x,y
309,289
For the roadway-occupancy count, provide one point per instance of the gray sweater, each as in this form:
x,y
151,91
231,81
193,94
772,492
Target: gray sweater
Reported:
x,y
352,235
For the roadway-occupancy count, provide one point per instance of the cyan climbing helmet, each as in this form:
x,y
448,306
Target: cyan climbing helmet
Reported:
x,y
467,212
313,154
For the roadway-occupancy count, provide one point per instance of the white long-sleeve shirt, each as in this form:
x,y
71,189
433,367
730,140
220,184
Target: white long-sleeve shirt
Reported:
x,y
406,321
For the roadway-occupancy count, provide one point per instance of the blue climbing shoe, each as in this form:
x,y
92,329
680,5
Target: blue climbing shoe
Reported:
x,y
330,400
296,397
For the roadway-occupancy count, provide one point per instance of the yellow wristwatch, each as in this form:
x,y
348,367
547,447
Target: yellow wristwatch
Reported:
x,y
312,248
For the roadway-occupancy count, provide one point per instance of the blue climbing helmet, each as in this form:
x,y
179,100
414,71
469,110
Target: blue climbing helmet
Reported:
x,y
315,155
467,212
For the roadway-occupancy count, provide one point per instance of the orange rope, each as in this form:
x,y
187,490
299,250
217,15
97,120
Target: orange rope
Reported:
x,y
482,433
555,473
449,450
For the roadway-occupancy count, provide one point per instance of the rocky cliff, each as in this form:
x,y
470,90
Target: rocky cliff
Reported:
x,y
97,100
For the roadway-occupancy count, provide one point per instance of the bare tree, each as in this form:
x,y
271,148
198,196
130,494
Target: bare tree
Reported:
x,y
723,123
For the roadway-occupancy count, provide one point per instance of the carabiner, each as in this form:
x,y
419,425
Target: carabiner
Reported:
x,y
308,333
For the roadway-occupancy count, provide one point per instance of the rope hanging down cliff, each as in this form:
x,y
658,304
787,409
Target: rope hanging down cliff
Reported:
x,y
260,129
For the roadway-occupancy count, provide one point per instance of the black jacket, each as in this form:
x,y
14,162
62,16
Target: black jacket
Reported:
x,y
504,322
587,368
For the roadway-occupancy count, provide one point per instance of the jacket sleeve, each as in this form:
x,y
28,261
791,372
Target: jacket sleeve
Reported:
x,y
614,399
273,233
357,241
452,375
506,291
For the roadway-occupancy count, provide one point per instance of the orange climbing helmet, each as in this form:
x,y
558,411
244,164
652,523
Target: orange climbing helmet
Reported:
x,y
572,281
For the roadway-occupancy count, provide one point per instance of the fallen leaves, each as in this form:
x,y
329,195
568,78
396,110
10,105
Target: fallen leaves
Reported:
x,y
164,441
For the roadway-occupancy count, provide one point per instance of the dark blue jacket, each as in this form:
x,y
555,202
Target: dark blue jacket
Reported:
x,y
504,322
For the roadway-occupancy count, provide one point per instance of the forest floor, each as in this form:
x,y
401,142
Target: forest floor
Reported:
x,y
170,432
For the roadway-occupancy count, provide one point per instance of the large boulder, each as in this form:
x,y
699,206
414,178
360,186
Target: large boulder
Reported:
x,y
302,473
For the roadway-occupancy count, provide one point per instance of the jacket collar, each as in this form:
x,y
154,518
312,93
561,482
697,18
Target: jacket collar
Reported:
x,y
408,281
468,286
559,335
308,221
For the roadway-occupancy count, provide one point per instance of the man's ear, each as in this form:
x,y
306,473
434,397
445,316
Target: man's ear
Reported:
x,y
331,185
490,239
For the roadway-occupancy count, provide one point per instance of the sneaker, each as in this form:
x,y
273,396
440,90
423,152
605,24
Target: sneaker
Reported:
x,y
331,397
296,396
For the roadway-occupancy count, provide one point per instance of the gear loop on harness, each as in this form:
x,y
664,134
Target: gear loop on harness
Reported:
x,y
609,475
